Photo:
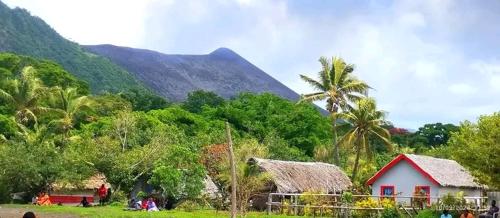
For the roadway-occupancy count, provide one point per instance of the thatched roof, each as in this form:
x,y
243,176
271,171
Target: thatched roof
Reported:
x,y
91,183
442,172
445,172
210,188
297,177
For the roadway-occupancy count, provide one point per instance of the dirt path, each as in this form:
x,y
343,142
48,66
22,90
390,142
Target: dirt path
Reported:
x,y
18,213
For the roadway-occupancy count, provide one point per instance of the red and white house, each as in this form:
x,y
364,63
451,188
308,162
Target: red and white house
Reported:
x,y
408,173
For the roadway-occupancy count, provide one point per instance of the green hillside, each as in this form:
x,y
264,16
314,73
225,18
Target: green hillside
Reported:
x,y
24,34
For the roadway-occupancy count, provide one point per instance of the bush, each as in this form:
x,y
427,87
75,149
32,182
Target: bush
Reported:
x,y
189,206
118,196
427,214
367,203
390,213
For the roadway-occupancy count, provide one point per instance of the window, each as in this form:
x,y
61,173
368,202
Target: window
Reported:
x,y
387,190
423,190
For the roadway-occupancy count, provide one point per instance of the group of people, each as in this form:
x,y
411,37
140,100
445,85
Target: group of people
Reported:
x,y
491,213
147,205
42,199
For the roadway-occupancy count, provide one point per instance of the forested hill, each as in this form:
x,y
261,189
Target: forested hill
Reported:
x,y
174,76
24,34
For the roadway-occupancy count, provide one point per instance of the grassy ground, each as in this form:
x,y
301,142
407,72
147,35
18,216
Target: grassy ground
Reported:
x,y
13,210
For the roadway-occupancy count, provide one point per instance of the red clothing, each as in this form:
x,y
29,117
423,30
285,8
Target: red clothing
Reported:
x,y
103,191
144,204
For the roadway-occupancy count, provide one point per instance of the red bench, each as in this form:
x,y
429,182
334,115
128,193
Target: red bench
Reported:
x,y
70,199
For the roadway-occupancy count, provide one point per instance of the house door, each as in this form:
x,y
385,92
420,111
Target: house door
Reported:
x,y
424,191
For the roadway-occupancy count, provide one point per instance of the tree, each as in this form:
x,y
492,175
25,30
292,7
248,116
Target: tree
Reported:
x,y
25,94
365,121
477,147
123,125
199,98
68,104
142,100
338,87
434,134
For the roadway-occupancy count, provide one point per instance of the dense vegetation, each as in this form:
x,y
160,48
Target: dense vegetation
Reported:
x,y
24,34
52,130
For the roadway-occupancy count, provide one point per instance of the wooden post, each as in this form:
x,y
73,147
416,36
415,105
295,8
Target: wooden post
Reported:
x,y
295,207
233,171
269,201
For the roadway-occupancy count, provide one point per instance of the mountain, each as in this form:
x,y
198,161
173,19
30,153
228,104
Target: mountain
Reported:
x,y
173,76
24,34
113,68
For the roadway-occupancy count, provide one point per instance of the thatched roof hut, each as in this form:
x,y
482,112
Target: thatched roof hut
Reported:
x,y
88,185
298,177
210,189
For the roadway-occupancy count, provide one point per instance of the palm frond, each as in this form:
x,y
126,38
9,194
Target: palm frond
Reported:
x,y
315,84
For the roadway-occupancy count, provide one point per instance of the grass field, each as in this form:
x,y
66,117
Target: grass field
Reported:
x,y
12,210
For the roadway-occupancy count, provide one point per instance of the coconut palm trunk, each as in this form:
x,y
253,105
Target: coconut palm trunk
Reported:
x,y
336,152
358,155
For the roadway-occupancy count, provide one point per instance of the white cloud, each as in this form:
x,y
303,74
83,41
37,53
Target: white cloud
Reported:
x,y
425,59
462,89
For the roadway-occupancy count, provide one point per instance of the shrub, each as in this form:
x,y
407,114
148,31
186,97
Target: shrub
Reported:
x,y
427,214
189,206
390,213
367,203
118,196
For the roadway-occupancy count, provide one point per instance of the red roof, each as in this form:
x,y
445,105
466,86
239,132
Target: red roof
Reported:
x,y
399,158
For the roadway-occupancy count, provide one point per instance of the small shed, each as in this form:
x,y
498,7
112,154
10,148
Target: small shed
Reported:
x,y
408,174
298,177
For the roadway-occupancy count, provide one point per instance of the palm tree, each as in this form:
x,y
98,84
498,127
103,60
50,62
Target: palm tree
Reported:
x,y
339,87
24,94
68,104
364,122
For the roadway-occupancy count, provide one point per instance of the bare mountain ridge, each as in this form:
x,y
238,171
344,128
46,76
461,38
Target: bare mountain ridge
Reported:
x,y
174,76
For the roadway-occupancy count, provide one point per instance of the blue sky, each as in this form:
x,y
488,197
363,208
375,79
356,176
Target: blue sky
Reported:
x,y
428,61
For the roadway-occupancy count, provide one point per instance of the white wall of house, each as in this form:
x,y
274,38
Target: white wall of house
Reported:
x,y
404,178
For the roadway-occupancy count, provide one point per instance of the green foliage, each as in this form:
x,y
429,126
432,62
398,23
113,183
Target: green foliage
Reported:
x,y
198,99
8,127
364,121
390,213
477,147
47,71
179,173
433,134
300,125
427,213
27,35
143,100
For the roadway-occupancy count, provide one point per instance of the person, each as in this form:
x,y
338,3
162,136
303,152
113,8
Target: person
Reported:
x,y
34,199
446,214
134,204
151,206
43,199
84,202
467,214
144,204
102,192
493,209
29,214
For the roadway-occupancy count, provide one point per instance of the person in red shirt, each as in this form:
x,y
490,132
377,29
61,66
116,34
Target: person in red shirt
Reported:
x,y
102,192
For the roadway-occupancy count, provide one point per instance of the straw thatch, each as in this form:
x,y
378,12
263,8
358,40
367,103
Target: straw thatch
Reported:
x,y
210,189
91,183
298,177
445,172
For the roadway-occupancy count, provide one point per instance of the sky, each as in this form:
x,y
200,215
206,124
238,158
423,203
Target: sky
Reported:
x,y
428,61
